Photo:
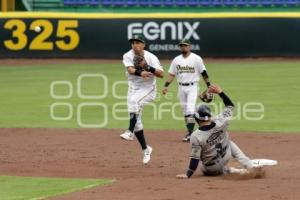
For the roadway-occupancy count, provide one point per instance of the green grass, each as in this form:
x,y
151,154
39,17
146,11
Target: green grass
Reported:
x,y
25,95
33,188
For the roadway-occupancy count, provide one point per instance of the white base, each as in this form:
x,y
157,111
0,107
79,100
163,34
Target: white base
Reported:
x,y
264,162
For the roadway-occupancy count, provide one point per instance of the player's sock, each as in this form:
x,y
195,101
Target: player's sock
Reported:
x,y
132,121
141,138
190,128
190,123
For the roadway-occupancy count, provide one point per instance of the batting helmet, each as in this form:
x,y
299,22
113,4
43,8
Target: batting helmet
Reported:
x,y
203,113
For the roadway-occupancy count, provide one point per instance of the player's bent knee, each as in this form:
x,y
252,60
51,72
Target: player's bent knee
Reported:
x,y
133,107
132,101
190,119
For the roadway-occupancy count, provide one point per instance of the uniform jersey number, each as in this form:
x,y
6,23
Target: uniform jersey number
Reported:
x,y
65,29
220,150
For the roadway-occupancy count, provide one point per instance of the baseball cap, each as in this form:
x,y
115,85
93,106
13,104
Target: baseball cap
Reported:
x,y
203,113
184,42
139,38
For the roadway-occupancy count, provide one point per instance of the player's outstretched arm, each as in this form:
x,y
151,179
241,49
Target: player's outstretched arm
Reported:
x,y
205,78
194,158
192,168
167,83
214,88
227,114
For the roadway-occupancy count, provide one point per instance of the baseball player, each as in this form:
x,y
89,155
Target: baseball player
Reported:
x,y
141,68
211,144
187,68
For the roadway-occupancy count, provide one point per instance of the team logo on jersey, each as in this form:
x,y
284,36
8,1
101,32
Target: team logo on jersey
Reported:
x,y
215,138
184,69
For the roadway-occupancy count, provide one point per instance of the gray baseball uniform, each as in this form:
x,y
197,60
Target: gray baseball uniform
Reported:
x,y
214,147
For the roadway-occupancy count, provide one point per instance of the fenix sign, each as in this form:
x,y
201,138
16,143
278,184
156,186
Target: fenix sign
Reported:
x,y
165,31
217,37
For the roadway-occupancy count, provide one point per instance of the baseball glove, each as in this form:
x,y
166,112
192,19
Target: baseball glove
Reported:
x,y
206,96
139,61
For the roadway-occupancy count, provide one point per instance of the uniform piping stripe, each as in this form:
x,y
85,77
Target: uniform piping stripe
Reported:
x,y
146,95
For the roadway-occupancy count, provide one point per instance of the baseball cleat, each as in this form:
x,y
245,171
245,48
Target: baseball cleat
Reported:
x,y
147,155
127,135
186,138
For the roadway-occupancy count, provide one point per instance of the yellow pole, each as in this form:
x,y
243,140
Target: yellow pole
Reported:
x,y
4,5
12,5
8,5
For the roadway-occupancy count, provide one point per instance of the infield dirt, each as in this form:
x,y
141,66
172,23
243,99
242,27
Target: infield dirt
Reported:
x,y
100,153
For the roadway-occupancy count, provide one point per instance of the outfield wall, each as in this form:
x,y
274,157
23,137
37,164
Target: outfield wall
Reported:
x,y
77,35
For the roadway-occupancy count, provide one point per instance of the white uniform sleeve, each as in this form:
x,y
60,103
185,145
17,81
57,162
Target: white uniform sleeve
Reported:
x,y
200,65
172,69
195,147
127,61
155,63
226,115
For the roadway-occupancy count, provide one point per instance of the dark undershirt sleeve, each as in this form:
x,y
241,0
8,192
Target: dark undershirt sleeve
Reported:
x,y
204,74
205,77
192,167
226,99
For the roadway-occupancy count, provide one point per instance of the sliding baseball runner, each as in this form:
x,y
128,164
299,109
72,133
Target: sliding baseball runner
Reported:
x,y
212,146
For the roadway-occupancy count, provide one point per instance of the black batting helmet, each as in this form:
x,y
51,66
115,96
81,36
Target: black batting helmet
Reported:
x,y
203,113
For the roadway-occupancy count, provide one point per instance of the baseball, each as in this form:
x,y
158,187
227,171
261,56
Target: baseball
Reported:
x,y
37,29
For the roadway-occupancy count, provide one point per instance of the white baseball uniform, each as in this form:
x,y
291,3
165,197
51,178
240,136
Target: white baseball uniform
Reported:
x,y
140,91
187,71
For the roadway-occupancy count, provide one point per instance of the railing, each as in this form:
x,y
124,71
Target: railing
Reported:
x,y
181,3
27,4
